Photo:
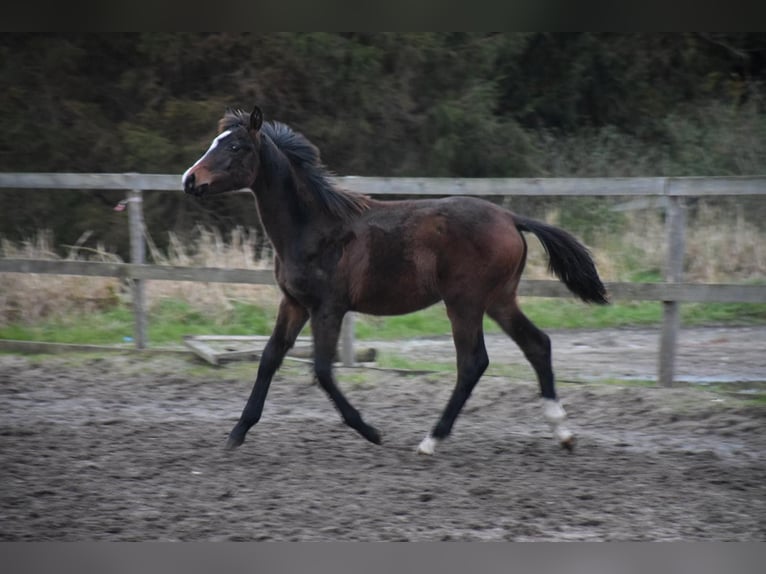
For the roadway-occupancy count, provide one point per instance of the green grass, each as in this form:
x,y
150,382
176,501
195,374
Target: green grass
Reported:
x,y
564,314
171,319
168,322
756,401
106,327
647,383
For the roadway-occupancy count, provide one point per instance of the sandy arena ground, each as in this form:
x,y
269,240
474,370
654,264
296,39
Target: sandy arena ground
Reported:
x,y
128,447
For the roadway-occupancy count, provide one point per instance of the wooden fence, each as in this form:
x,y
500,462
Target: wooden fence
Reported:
x,y
671,293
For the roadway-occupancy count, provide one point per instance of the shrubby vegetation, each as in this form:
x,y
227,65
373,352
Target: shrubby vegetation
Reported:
x,y
393,104
428,104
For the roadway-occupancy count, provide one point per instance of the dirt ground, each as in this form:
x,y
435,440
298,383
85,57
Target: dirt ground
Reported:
x,y
128,447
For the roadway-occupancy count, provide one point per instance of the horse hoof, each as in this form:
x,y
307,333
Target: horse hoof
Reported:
x,y
372,435
234,442
568,444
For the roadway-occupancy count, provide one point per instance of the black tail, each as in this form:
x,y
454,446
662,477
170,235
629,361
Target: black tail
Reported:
x,y
569,260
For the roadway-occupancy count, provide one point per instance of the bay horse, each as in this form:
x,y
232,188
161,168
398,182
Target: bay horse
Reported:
x,y
337,251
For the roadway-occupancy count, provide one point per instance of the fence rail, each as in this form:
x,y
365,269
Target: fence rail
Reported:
x,y
593,186
681,292
671,293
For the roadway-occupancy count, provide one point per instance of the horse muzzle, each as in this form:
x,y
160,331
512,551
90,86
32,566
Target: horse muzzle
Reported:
x,y
193,188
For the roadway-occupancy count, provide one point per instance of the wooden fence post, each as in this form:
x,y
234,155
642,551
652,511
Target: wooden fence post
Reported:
x,y
675,226
347,340
137,254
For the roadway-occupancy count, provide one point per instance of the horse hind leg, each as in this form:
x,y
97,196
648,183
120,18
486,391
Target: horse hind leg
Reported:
x,y
472,361
536,346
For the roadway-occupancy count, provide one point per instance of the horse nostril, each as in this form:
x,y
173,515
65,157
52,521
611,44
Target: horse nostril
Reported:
x,y
189,183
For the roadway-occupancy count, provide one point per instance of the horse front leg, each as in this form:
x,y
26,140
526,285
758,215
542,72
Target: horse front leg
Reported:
x,y
325,326
291,318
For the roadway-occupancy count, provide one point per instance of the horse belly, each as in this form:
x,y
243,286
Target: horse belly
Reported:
x,y
394,299
403,286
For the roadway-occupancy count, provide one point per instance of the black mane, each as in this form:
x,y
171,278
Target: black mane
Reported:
x,y
304,156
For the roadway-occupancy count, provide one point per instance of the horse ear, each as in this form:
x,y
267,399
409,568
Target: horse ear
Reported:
x,y
256,118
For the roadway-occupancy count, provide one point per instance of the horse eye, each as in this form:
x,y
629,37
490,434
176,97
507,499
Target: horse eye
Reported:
x,y
235,147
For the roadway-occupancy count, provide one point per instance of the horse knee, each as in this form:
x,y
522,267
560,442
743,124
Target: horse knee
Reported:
x,y
270,356
472,370
273,354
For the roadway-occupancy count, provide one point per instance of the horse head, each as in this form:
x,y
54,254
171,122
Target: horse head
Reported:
x,y
232,160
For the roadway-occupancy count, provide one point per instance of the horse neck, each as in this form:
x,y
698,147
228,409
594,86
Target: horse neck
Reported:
x,y
286,214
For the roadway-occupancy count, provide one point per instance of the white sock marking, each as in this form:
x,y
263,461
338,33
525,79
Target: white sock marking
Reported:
x,y
427,445
555,414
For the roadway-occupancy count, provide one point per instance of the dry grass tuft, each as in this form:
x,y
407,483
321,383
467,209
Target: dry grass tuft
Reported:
x,y
718,250
26,298
211,249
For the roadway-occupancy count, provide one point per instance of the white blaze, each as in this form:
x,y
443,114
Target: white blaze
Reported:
x,y
211,148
